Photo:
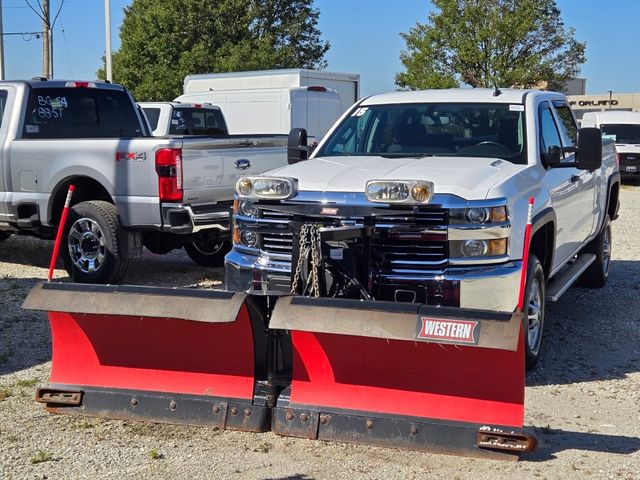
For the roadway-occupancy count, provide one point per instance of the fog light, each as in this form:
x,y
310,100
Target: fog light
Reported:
x,y
249,238
474,248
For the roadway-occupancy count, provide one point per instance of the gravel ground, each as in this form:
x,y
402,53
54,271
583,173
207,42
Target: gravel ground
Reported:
x,y
582,401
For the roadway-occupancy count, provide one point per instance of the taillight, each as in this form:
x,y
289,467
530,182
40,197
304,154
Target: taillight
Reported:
x,y
169,168
316,88
81,84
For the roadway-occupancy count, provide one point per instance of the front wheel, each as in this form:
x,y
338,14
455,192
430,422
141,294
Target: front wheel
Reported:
x,y
597,274
534,301
208,253
91,243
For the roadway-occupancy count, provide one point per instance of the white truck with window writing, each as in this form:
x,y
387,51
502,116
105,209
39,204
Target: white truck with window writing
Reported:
x,y
424,198
131,189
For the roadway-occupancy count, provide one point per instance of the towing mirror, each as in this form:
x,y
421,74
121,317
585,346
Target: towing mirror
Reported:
x,y
589,148
297,149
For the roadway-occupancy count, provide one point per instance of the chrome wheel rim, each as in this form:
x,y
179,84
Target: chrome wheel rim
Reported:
x,y
606,250
86,245
534,317
208,248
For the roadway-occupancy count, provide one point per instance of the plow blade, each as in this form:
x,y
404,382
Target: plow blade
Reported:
x,y
164,355
404,375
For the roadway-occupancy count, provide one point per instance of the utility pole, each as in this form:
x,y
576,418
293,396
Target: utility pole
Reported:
x,y
1,45
46,40
107,32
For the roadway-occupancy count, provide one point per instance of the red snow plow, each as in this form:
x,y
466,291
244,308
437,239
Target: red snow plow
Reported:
x,y
398,374
385,373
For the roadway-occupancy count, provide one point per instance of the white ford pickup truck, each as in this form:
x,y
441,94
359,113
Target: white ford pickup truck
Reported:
x,y
439,181
131,189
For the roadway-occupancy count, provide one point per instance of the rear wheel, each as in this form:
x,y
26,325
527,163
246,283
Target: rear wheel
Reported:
x,y
91,243
208,253
534,301
597,274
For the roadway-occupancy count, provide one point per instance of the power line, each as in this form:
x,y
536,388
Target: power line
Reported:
x,y
35,34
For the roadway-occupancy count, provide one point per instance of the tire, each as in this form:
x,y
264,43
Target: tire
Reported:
x,y
4,236
534,303
597,274
91,243
208,253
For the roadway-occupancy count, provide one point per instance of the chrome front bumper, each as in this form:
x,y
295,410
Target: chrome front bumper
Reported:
x,y
482,287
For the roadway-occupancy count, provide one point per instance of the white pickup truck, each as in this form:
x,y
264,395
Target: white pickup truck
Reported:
x,y
131,189
439,181
624,129
177,118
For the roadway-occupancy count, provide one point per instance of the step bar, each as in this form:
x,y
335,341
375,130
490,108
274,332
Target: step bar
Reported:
x,y
561,283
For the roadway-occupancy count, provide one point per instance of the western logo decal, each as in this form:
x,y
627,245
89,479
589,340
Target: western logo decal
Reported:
x,y
442,329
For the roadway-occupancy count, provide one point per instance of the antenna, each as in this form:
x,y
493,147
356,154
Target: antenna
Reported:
x,y
496,90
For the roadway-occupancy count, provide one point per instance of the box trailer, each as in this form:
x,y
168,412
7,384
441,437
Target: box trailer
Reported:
x,y
346,84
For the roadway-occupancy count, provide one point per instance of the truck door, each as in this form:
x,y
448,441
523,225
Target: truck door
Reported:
x,y
566,188
585,197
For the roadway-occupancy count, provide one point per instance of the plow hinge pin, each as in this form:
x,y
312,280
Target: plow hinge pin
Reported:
x,y
369,424
304,417
234,410
247,412
216,409
173,405
290,416
134,402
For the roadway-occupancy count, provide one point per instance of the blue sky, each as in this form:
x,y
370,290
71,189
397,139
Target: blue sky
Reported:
x,y
364,37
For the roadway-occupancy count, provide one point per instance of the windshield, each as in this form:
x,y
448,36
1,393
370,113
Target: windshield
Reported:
x,y
427,129
621,133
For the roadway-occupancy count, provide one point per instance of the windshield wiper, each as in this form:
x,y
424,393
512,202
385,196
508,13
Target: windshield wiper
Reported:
x,y
406,155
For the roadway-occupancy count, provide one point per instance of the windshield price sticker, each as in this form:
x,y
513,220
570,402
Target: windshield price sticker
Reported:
x,y
516,108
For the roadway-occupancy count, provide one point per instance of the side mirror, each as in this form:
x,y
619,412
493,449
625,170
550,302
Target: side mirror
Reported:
x,y
553,157
589,148
297,149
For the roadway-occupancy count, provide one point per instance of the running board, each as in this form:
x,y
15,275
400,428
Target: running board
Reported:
x,y
561,283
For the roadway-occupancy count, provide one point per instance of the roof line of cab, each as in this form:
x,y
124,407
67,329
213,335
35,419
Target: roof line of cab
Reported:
x,y
39,82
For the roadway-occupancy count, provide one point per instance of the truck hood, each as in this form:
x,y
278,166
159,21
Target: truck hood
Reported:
x,y
468,177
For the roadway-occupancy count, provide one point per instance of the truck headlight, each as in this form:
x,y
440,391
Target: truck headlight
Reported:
x,y
495,247
275,188
245,207
399,191
478,215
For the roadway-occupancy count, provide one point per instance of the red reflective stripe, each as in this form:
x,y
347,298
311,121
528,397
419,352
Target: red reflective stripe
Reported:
x,y
61,224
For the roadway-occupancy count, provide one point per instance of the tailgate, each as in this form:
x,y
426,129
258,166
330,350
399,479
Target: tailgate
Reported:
x,y
211,166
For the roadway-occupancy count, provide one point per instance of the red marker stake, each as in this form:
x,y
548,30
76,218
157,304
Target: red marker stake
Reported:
x,y
63,220
525,255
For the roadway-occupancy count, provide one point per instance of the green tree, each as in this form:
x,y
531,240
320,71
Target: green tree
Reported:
x,y
163,41
482,43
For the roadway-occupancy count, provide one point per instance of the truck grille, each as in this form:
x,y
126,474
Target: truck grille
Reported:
x,y
393,254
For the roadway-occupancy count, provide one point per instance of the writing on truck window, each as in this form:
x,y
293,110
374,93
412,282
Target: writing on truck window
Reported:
x,y
80,113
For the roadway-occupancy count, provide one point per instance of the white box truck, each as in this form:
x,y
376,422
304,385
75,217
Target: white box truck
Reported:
x,y
275,101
